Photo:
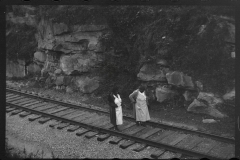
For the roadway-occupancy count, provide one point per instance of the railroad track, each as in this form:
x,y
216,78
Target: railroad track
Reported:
x,y
91,122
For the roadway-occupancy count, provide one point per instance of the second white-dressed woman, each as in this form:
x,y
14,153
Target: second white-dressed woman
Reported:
x,y
140,106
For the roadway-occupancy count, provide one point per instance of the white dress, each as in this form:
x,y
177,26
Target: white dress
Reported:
x,y
119,116
142,113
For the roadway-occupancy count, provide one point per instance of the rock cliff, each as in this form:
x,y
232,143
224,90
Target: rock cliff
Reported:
x,y
73,49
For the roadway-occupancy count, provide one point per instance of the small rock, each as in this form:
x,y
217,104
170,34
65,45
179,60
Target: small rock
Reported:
x,y
209,121
58,71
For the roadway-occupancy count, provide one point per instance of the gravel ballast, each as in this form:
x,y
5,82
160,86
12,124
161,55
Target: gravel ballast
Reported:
x,y
49,142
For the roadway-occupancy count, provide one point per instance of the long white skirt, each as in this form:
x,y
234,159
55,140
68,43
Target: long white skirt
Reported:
x,y
119,115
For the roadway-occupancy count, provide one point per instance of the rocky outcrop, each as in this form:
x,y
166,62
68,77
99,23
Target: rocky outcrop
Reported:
x,y
206,104
199,107
78,62
179,79
151,72
69,39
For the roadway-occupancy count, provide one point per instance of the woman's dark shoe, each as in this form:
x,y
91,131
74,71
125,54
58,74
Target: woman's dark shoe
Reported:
x,y
143,124
117,129
138,123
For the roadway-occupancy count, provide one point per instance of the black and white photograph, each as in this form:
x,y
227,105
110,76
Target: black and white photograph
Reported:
x,y
105,81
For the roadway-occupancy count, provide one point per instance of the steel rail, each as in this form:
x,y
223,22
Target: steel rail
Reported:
x,y
122,135
150,123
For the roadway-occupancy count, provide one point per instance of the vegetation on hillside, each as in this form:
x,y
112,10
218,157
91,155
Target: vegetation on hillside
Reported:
x,y
21,42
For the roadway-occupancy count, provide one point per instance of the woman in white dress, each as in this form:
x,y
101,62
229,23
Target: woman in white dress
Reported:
x,y
140,106
115,101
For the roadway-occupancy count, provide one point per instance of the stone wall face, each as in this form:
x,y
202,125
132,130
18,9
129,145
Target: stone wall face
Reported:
x,y
69,39
69,52
63,51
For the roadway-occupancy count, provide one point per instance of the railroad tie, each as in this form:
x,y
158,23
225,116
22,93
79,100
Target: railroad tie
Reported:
x,y
20,101
91,134
103,137
178,139
32,103
13,98
144,136
55,124
24,114
9,94
126,144
34,117
44,120
169,139
191,141
82,131
157,153
130,142
16,112
10,109
161,135
26,102
116,140
107,125
149,133
140,147
74,128
61,126
101,122
134,130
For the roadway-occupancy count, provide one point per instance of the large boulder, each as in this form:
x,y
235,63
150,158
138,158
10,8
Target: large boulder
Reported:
x,y
206,103
163,94
229,95
209,98
179,79
151,72
86,84
78,62
200,107
40,56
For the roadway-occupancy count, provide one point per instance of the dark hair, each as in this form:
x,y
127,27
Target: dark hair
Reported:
x,y
142,88
115,90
